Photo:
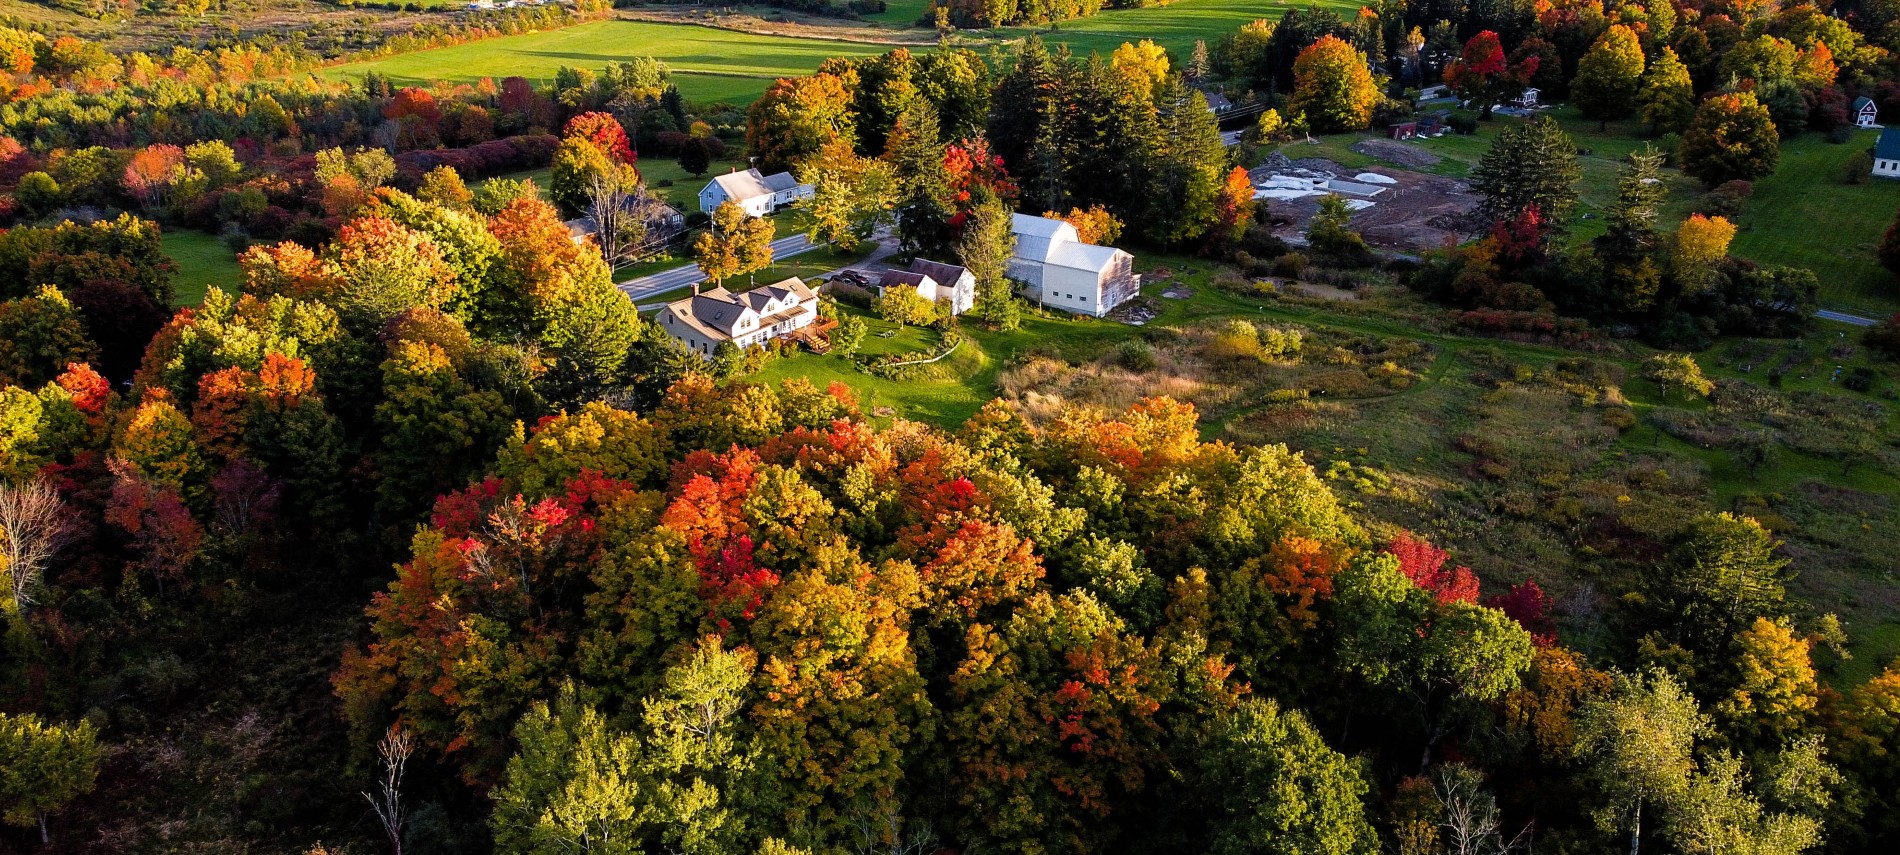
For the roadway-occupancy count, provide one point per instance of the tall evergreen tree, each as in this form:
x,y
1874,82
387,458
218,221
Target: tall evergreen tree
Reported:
x,y
1187,167
1530,164
924,209
1631,274
1022,108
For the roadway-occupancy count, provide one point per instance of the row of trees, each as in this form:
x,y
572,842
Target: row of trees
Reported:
x,y
1680,289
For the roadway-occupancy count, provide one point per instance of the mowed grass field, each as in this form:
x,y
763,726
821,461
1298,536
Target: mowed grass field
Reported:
x,y
708,64
202,260
1175,27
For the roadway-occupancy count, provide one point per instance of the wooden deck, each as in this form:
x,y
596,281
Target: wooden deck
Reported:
x,y
816,336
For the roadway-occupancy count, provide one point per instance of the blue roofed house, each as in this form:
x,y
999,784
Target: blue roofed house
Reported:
x,y
1887,154
1866,113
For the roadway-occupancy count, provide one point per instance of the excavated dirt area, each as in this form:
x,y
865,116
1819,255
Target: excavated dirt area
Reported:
x,y
1421,212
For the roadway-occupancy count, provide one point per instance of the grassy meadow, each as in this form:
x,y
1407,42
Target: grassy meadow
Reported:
x,y
708,64
1175,27
202,260
1498,450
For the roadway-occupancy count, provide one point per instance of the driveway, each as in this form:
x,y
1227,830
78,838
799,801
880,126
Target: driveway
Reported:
x,y
655,284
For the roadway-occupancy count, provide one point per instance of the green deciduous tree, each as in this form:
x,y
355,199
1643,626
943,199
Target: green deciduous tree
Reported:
x,y
1678,370
1637,747
852,195
1731,139
1276,787
573,785
43,767
735,244
1667,99
1608,75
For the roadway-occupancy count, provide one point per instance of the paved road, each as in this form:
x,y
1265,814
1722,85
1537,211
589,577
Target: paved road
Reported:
x,y
1856,320
655,284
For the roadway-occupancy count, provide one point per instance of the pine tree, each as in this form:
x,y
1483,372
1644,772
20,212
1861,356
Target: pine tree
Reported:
x,y
1632,217
1607,76
1197,64
924,205
1187,169
1023,107
1531,164
987,245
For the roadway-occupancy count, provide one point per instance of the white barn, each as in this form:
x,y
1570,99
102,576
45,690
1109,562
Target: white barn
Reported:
x,y
1060,271
756,193
707,319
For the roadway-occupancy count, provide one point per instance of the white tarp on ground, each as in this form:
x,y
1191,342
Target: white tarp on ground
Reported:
x,y
1358,204
1374,178
1353,188
1278,186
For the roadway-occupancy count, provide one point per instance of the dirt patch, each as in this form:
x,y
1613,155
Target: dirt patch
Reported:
x,y
1324,292
1393,151
1136,312
1178,292
1421,212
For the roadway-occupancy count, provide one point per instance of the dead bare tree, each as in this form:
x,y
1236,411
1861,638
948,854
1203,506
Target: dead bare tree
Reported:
x,y
33,527
613,204
1472,821
395,748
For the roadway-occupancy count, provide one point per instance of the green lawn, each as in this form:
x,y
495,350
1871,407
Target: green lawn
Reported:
x,y
1175,27
202,260
1801,216
708,64
900,13
1805,217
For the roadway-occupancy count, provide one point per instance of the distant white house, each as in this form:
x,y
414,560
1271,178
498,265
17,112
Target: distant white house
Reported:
x,y
756,193
1887,154
942,283
1866,113
707,319
1058,270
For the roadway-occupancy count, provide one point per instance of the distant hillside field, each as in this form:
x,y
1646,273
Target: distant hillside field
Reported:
x,y
708,64
1175,27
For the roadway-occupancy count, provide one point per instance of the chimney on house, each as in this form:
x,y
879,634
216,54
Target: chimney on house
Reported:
x,y
695,289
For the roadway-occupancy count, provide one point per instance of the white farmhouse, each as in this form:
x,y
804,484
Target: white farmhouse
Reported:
x,y
1887,154
942,283
1060,271
756,193
707,319
1866,113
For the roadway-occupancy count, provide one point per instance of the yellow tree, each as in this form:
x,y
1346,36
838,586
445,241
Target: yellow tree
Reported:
x,y
1332,87
736,244
1775,692
1145,65
1700,243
